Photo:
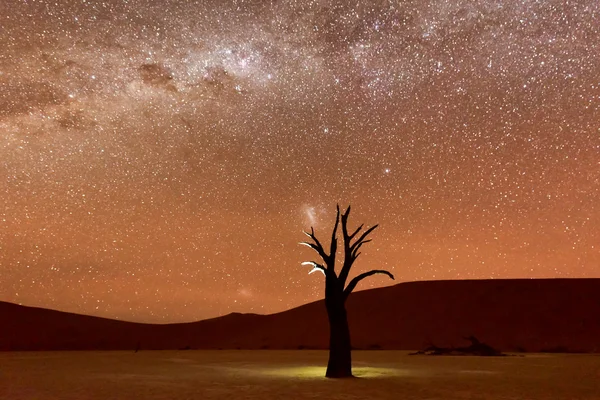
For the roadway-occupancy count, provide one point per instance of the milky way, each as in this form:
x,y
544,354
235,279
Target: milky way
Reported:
x,y
159,160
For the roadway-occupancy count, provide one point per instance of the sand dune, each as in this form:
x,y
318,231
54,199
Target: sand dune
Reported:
x,y
513,315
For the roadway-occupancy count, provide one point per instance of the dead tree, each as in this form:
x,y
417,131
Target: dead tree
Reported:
x,y
336,291
476,348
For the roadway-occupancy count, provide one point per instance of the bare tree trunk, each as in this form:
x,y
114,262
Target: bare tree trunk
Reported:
x,y
340,358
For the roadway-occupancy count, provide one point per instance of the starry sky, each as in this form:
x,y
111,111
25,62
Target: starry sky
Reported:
x,y
159,160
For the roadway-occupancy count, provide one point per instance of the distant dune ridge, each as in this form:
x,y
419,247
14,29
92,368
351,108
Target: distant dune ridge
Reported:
x,y
533,315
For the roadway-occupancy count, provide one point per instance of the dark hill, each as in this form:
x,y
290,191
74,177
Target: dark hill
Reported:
x,y
526,315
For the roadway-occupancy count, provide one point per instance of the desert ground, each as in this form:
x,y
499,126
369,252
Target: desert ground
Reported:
x,y
272,374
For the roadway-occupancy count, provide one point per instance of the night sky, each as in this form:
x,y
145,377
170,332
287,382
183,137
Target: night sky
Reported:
x,y
159,160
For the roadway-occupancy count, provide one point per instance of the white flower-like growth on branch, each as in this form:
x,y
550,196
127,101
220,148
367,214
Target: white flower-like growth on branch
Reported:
x,y
316,267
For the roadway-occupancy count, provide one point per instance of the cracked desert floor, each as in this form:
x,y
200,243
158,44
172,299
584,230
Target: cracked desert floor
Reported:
x,y
291,375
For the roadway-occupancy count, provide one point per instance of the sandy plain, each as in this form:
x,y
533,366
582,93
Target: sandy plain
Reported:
x,y
272,374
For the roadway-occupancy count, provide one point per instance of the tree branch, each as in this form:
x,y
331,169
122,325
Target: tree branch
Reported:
x,y
362,276
345,222
316,246
355,249
333,248
356,231
362,237
348,258
351,252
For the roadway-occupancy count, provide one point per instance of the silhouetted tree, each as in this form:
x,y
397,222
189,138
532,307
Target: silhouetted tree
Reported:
x,y
336,291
